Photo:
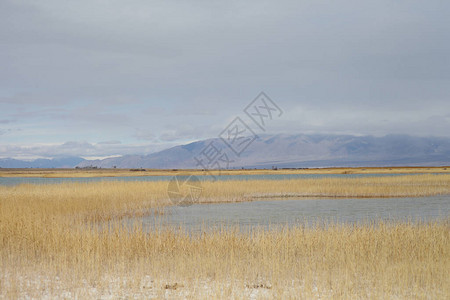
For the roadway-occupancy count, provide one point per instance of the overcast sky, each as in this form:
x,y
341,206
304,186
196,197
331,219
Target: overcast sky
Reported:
x,y
99,78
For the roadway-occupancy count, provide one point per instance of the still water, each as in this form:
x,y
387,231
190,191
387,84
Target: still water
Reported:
x,y
43,180
302,212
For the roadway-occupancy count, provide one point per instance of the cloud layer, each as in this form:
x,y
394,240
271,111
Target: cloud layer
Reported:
x,y
157,73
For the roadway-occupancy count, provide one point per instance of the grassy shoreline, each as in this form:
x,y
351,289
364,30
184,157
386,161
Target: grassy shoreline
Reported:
x,y
64,173
111,199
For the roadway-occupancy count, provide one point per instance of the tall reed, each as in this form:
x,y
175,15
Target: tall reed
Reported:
x,y
68,240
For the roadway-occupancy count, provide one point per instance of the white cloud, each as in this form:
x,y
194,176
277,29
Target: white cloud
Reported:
x,y
74,148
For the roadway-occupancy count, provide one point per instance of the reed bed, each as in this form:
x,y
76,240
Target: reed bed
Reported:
x,y
68,241
370,187
404,261
112,199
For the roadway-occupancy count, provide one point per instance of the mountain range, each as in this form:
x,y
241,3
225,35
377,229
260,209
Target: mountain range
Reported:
x,y
281,150
65,162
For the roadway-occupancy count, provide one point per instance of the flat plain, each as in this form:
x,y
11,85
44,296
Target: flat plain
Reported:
x,y
61,173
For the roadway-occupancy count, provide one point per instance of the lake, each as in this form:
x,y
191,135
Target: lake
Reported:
x,y
303,211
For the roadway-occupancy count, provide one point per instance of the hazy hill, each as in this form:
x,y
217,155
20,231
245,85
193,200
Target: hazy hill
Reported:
x,y
301,151
67,162
279,150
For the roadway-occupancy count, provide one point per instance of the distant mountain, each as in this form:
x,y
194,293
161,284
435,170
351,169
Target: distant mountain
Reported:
x,y
282,151
67,162
300,151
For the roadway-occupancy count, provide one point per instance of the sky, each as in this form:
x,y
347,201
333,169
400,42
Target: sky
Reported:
x,y
106,78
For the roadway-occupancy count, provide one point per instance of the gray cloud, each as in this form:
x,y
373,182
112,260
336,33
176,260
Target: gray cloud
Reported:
x,y
6,121
168,71
4,131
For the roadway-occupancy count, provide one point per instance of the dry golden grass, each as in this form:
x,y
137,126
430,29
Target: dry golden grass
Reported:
x,y
50,258
395,186
111,199
55,173
97,201
54,243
